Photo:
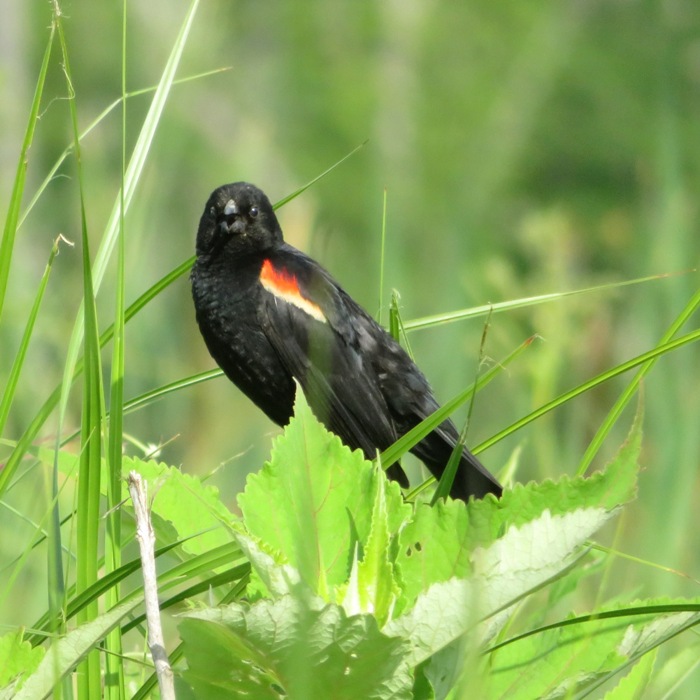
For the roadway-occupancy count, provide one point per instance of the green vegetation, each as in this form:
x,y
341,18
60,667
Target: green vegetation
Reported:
x,y
516,155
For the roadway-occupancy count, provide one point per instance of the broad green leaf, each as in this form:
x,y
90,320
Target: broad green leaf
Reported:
x,y
516,564
181,505
313,501
634,684
463,566
188,505
559,660
278,577
289,649
18,658
516,535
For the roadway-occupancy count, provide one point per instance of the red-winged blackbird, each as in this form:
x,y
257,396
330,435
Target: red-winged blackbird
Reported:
x,y
269,314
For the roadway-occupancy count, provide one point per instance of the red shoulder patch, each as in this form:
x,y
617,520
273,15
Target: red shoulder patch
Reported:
x,y
284,285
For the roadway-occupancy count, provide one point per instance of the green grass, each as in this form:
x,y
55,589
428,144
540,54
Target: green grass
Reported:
x,y
550,234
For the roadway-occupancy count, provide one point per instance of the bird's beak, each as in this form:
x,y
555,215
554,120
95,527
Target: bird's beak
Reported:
x,y
231,224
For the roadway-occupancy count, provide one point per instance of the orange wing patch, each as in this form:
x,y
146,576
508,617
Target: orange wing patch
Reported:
x,y
284,286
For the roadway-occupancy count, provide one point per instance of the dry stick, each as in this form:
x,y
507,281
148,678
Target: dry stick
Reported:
x,y
147,539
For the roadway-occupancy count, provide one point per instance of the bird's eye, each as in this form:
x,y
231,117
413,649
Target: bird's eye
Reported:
x,y
212,211
253,212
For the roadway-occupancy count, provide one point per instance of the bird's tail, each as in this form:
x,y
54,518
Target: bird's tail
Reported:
x,y
471,479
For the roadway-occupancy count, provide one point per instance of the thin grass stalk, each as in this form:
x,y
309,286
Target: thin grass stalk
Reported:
x,y
11,222
18,363
416,434
55,398
444,485
382,261
50,176
485,309
631,389
73,367
88,515
114,667
659,350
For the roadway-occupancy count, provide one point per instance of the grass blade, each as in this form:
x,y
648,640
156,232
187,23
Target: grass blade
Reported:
x,y
155,394
73,367
484,309
32,430
305,187
88,515
448,476
11,222
631,388
590,384
394,319
62,656
18,363
114,669
133,174
94,124
415,435
382,261
143,145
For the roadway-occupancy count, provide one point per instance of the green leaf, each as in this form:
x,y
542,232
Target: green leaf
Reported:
x,y
607,375
92,409
18,659
486,309
74,366
279,578
289,649
189,506
633,685
463,563
372,587
626,396
314,500
305,187
582,655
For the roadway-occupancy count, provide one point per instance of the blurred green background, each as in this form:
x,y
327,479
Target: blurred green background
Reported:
x,y
525,148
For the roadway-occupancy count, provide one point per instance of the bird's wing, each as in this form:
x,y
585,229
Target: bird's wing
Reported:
x,y
318,337
411,400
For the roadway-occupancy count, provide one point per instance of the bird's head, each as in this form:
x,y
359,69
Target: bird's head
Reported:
x,y
238,220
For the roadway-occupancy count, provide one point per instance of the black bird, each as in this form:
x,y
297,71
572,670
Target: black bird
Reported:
x,y
270,314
